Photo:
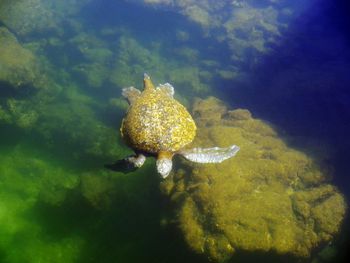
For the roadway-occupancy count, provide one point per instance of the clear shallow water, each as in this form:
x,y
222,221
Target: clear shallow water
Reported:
x,y
57,202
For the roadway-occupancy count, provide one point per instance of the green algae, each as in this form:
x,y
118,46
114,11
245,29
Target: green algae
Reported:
x,y
34,176
115,215
19,114
269,198
30,17
25,16
199,15
47,207
18,65
78,126
53,211
132,59
25,181
249,28
119,66
94,75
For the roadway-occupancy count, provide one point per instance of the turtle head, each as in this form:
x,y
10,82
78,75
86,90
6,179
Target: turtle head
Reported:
x,y
147,83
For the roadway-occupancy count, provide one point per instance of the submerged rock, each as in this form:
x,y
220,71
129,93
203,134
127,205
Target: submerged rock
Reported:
x,y
26,17
269,198
18,65
23,17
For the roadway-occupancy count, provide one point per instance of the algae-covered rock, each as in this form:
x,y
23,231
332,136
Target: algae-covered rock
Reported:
x,y
35,177
28,178
269,198
25,17
249,28
133,59
77,125
20,113
211,110
190,77
94,74
97,188
18,66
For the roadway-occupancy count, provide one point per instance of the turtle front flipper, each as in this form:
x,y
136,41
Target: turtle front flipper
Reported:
x,y
128,164
167,88
209,155
131,94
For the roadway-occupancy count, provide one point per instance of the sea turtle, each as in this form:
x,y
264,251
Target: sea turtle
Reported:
x,y
158,125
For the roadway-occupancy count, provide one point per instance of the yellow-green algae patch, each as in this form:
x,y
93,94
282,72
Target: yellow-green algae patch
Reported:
x,y
132,58
29,17
18,66
269,198
27,179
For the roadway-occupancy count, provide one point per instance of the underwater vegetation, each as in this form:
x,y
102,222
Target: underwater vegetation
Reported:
x,y
269,198
63,66
19,66
94,58
28,178
32,100
249,28
37,17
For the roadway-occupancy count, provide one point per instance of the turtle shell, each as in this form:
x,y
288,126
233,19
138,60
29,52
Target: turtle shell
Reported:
x,y
156,122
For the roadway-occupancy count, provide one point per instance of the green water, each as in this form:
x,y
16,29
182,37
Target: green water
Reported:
x,y
63,65
61,109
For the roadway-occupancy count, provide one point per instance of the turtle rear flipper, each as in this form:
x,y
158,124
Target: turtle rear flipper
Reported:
x,y
131,94
164,166
209,155
128,164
